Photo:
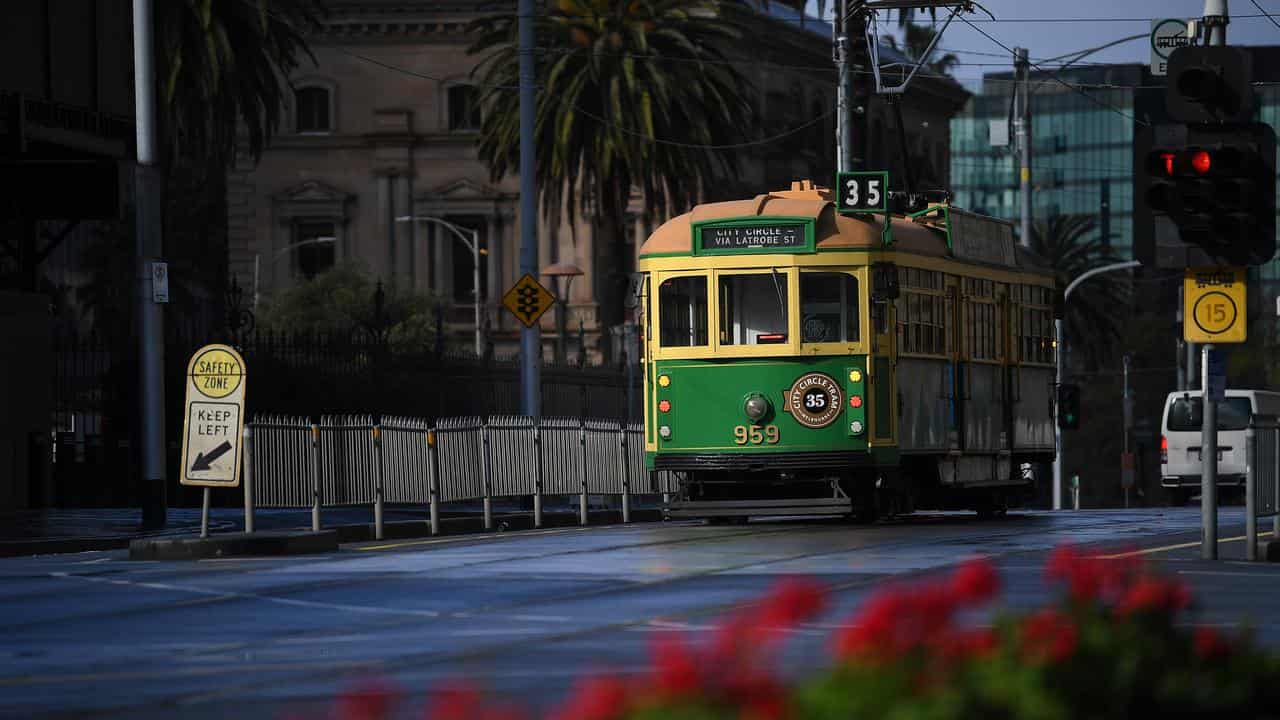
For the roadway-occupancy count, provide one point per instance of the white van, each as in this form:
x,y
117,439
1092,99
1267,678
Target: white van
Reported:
x,y
1180,439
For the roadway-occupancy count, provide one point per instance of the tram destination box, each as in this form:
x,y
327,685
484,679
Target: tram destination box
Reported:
x,y
754,237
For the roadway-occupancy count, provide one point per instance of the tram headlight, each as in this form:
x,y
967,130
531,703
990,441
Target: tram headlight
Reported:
x,y
756,407
664,432
855,427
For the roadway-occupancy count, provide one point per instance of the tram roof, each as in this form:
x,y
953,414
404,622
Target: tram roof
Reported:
x,y
993,244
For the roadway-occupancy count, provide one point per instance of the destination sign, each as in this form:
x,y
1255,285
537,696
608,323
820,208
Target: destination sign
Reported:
x,y
753,237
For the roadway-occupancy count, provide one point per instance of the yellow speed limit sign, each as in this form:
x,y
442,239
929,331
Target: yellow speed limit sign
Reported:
x,y
1213,305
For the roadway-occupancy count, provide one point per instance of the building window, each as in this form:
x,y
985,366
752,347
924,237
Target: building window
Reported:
x,y
313,247
464,108
312,108
464,259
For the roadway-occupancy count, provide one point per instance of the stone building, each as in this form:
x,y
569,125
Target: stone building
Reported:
x,y
383,128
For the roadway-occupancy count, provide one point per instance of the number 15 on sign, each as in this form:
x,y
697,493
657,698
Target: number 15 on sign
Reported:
x,y
1214,309
862,192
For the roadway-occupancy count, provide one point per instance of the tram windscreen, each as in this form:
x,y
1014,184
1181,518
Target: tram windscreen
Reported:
x,y
682,310
828,307
753,309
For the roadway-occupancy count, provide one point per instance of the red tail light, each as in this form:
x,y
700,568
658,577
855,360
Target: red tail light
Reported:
x,y
1164,450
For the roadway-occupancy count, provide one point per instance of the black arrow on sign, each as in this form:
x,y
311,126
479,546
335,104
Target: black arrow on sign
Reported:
x,y
202,461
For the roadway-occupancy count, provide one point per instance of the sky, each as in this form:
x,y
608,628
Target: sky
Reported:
x,y
1100,22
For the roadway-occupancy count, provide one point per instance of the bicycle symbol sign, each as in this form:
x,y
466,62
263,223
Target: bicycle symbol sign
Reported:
x,y
1214,309
528,300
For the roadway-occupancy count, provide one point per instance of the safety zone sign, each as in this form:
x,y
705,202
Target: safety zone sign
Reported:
x,y
1214,305
528,300
213,423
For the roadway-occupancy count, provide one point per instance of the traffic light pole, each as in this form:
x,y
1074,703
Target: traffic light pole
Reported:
x,y
844,87
1059,337
1208,463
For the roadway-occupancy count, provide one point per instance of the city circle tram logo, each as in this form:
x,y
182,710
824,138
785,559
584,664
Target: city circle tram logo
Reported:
x,y
814,400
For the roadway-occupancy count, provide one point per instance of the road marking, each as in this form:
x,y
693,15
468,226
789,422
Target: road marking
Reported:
x,y
231,595
1229,574
1179,546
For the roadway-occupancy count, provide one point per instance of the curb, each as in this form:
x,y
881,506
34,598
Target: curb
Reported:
x,y
349,533
267,543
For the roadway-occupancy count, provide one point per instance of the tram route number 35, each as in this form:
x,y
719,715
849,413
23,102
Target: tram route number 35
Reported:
x,y
755,435
862,192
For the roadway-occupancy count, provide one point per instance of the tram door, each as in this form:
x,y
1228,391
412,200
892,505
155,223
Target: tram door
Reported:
x,y
883,364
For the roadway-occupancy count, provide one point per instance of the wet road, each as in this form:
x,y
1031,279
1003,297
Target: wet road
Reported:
x,y
94,634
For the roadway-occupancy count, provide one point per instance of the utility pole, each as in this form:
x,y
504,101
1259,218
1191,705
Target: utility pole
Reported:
x,y
1022,122
530,338
844,88
1215,28
148,244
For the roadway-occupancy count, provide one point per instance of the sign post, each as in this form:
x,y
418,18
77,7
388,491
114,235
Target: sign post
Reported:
x,y
213,423
1213,312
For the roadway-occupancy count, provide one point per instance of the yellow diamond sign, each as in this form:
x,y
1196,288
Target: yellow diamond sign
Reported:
x,y
1213,305
527,300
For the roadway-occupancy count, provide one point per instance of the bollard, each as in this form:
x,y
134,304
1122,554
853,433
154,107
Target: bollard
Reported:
x,y
582,497
378,478
434,487
248,478
626,474
537,473
1250,487
315,478
485,471
1075,492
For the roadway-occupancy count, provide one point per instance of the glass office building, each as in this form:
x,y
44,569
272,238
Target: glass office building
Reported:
x,y
1082,146
1082,149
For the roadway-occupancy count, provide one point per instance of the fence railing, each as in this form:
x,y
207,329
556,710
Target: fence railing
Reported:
x,y
1262,479
343,460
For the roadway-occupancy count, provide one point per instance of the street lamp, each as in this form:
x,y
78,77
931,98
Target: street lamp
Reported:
x,y
1059,339
470,238
257,259
555,271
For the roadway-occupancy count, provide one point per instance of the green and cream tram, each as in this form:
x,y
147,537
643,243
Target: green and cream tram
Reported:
x,y
803,361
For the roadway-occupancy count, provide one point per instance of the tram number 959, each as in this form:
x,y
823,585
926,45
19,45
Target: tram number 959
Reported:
x,y
755,435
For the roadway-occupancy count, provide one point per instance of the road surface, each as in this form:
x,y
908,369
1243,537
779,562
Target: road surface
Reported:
x,y
97,635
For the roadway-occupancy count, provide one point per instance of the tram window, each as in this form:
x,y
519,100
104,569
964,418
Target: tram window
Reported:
x,y
828,307
753,309
682,310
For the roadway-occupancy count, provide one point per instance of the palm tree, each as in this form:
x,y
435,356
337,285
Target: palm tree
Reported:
x,y
224,64
1069,245
633,95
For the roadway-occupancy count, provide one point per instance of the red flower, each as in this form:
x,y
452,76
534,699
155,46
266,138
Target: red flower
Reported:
x,y
872,628
1048,636
1210,645
676,670
966,644
370,700
599,698
756,694
791,601
1089,578
1154,595
975,582
456,702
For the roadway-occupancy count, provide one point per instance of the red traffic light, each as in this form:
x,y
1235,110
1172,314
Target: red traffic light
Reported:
x,y
1201,161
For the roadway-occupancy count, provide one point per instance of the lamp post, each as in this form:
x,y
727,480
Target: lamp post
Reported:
x,y
568,271
471,239
1060,340
257,259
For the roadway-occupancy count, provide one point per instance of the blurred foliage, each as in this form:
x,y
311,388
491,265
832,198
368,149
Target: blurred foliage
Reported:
x,y
346,300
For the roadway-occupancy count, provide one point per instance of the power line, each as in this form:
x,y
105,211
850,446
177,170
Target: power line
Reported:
x,y
1264,12
1055,76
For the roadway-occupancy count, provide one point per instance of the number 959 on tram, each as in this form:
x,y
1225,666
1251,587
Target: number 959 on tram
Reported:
x,y
808,355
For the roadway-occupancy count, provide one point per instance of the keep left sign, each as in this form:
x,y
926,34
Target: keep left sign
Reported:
x,y
213,423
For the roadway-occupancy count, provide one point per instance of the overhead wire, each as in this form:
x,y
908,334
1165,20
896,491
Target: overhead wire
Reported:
x,y
1264,12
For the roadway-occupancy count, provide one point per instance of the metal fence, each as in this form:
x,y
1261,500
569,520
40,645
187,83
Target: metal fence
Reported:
x,y
1262,479
342,460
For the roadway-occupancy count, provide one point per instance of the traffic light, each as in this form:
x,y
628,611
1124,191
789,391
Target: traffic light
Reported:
x,y
1068,406
1218,187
